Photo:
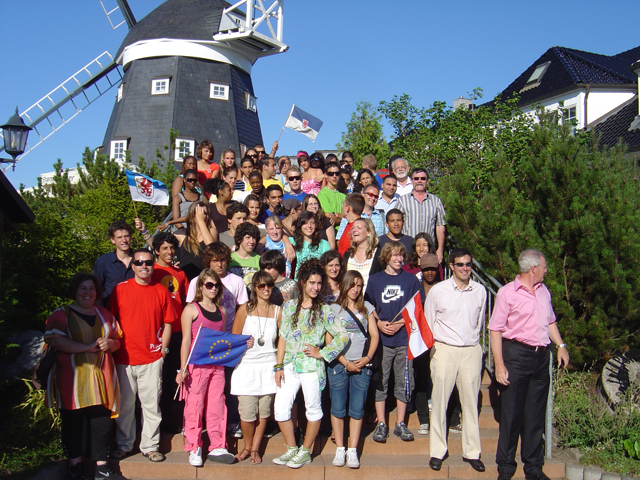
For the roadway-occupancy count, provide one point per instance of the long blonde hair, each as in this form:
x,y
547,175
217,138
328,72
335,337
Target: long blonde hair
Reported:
x,y
372,239
191,243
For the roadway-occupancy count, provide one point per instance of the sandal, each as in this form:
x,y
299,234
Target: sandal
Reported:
x,y
333,437
118,455
154,456
242,456
255,457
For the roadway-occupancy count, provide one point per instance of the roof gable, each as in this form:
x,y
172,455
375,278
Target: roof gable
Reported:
x,y
616,127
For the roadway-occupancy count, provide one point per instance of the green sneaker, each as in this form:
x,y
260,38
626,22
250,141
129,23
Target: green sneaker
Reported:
x,y
301,458
284,459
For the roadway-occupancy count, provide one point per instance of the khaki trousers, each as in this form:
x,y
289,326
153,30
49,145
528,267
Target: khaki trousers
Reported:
x,y
461,366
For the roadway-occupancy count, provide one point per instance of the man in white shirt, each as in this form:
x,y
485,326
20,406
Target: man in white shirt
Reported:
x,y
389,198
400,168
454,310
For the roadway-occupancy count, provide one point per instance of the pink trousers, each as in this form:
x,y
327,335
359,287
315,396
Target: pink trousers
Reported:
x,y
203,395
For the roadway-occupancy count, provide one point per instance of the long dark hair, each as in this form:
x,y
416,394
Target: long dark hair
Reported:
x,y
299,236
207,272
320,218
414,259
357,187
308,268
259,277
348,282
326,258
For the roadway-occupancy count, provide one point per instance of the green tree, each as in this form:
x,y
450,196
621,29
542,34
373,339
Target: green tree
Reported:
x,y
364,135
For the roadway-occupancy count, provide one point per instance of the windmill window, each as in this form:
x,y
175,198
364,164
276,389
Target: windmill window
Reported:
x,y
184,147
118,148
218,91
251,102
120,91
160,86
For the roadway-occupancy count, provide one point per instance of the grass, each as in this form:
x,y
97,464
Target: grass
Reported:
x,y
28,442
582,419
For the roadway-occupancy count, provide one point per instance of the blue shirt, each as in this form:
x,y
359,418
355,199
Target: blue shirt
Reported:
x,y
376,217
111,271
298,196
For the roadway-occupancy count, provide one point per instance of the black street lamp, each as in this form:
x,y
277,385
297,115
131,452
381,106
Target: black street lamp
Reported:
x,y
15,134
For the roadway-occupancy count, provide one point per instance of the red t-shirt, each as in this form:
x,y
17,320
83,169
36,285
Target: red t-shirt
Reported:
x,y
204,175
142,311
175,280
345,240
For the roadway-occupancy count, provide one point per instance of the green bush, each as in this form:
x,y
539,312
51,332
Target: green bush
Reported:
x,y
582,419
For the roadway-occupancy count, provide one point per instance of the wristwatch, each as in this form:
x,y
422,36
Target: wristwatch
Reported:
x,y
562,345
166,350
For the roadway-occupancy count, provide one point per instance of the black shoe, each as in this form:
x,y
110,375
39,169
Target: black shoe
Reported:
x,y
536,476
105,472
76,472
436,463
505,476
477,465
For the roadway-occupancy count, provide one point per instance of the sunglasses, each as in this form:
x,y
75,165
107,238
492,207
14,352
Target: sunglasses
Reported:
x,y
139,263
293,179
211,285
460,264
253,156
191,180
372,195
262,286
333,174
420,178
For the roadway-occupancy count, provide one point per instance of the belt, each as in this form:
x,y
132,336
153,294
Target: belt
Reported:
x,y
524,345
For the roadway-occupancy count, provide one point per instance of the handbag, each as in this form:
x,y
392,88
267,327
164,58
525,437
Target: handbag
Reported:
x,y
376,360
48,358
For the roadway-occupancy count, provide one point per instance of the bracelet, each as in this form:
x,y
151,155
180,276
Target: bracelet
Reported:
x,y
562,345
278,369
277,365
181,370
144,231
368,357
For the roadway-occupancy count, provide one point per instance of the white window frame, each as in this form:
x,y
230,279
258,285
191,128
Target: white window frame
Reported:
x,y
566,116
251,102
218,91
117,150
120,92
156,85
184,147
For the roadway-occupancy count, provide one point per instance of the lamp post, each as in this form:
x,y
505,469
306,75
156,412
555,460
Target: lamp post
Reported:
x,y
15,134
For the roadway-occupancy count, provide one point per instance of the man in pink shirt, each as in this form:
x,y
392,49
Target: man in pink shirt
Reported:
x,y
522,326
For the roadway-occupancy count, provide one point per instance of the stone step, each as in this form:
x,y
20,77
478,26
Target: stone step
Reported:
x,y
373,467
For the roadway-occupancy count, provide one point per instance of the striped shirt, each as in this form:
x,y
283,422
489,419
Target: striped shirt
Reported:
x,y
376,217
421,217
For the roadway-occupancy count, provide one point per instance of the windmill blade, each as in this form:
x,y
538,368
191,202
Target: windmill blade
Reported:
x,y
64,102
125,11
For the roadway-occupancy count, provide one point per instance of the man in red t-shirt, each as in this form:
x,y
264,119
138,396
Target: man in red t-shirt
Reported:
x,y
175,280
352,208
145,312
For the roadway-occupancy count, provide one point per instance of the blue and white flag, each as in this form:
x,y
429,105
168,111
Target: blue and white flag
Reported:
x,y
146,189
302,122
217,348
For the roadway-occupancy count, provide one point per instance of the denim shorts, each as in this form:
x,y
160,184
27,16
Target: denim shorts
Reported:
x,y
351,384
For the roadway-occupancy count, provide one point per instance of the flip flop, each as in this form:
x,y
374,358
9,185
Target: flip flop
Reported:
x,y
154,456
242,456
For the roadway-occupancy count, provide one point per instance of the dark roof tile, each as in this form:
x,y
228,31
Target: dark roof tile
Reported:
x,y
616,127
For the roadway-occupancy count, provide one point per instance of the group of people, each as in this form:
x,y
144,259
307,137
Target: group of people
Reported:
x,y
316,267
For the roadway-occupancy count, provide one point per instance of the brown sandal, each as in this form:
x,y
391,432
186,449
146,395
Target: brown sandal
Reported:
x,y
154,456
241,456
255,457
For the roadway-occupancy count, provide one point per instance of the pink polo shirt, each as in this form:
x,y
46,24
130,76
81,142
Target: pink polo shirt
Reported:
x,y
521,315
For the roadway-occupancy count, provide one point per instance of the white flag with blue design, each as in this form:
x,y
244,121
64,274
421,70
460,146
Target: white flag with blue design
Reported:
x,y
303,122
146,189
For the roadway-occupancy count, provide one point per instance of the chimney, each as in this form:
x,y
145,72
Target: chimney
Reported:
x,y
463,102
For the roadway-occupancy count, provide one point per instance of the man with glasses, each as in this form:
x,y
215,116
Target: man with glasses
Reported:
x,y
329,197
145,312
400,168
389,198
294,178
423,211
454,310
370,194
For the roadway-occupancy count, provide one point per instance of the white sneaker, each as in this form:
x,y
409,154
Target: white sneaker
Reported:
x,y
423,429
195,457
352,458
221,455
338,460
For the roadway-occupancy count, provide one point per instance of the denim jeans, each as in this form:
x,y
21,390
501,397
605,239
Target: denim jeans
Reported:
x,y
351,384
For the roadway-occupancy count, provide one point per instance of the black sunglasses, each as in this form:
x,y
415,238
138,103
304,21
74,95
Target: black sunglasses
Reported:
x,y
333,174
211,285
460,264
191,180
291,179
139,263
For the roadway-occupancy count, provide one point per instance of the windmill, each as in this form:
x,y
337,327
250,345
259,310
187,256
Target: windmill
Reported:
x,y
185,66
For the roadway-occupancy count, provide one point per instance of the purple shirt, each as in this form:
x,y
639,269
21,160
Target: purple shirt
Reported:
x,y
522,315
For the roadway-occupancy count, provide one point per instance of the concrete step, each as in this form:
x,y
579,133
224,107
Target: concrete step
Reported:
x,y
372,467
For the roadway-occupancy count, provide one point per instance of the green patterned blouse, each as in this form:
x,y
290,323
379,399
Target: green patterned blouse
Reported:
x,y
295,339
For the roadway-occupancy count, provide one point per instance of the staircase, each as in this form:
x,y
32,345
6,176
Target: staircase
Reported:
x,y
394,460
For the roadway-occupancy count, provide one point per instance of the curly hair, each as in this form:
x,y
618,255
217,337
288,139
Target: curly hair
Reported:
x,y
413,259
372,239
78,279
298,236
205,144
306,269
214,185
390,249
357,188
348,282
215,251
161,238
259,277
207,272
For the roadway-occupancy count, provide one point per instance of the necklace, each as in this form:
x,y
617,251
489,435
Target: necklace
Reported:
x,y
261,329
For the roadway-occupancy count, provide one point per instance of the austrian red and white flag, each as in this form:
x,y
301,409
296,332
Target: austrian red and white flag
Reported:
x,y
420,336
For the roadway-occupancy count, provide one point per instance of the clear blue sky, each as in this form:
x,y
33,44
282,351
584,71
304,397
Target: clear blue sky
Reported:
x,y
340,52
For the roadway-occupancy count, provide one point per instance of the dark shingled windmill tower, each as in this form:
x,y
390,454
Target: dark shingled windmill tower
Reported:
x,y
188,67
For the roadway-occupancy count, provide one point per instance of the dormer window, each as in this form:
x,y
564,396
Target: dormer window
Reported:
x,y
536,76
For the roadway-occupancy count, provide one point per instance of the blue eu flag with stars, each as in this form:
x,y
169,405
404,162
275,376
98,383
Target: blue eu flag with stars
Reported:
x,y
217,348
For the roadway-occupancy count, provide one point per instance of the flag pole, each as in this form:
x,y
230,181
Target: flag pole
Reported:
x,y
188,358
285,122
